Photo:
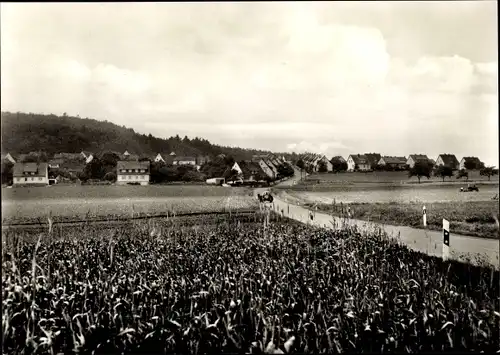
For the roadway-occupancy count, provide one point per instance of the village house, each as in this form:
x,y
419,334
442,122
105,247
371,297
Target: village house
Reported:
x,y
398,163
448,160
258,159
30,174
9,158
88,156
184,161
55,163
373,159
70,156
126,156
164,158
478,164
414,158
358,162
132,172
249,171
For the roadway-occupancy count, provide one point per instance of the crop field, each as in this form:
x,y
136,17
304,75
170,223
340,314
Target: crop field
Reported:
x,y
67,203
238,286
396,177
99,208
114,191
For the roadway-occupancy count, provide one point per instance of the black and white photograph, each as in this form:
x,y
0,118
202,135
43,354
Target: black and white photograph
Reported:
x,y
275,177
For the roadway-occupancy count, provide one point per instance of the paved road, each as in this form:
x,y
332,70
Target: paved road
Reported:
x,y
426,241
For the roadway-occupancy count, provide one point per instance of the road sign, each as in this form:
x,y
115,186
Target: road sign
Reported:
x,y
446,239
424,212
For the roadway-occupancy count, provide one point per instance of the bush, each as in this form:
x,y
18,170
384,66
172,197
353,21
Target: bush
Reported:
x,y
111,176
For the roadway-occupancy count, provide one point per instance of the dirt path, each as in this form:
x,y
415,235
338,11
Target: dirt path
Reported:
x,y
425,241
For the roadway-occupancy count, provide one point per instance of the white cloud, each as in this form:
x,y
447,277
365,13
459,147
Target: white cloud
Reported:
x,y
256,71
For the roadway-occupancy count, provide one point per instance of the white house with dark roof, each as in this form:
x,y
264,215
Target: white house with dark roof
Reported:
x,y
184,161
132,172
30,174
358,162
8,157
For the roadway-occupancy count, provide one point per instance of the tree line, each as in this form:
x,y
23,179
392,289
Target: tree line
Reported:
x,y
26,132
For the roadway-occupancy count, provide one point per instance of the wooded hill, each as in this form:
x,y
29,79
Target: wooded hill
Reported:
x,y
29,132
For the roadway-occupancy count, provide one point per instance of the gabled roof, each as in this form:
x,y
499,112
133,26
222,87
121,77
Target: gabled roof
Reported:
x,y
359,158
449,159
71,156
250,168
417,157
394,160
126,164
475,160
185,159
373,158
38,168
130,157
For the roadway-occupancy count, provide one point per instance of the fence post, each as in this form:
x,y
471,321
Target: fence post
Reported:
x,y
446,239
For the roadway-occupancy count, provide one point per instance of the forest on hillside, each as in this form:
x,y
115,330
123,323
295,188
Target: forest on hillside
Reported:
x,y
28,132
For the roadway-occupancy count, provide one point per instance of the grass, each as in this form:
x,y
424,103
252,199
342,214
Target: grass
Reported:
x,y
468,218
237,285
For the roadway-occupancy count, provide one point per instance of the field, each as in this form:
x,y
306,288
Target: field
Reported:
x,y
395,177
97,202
381,194
239,286
468,218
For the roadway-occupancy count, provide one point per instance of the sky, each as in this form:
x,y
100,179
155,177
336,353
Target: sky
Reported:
x,y
336,78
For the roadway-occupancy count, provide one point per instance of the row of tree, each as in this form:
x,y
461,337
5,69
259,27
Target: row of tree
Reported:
x,y
426,169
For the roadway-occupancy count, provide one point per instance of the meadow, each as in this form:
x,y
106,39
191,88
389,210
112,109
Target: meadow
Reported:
x,y
467,218
238,285
396,177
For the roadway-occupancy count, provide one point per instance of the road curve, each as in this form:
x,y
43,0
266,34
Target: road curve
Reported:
x,y
422,240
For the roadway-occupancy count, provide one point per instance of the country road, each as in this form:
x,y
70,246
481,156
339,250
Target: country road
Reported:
x,y
425,241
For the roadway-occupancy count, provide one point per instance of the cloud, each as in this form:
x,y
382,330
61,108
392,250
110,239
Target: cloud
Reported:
x,y
328,148
268,74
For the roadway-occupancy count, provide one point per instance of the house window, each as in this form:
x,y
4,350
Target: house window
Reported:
x,y
40,179
31,179
25,179
137,177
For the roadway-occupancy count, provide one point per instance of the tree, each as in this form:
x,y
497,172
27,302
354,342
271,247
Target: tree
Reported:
x,y
94,169
109,158
338,165
322,168
489,172
231,174
111,176
463,173
82,175
420,169
7,172
300,164
155,174
285,170
444,171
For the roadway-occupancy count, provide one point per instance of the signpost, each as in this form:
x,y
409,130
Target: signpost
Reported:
x,y
424,211
446,239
